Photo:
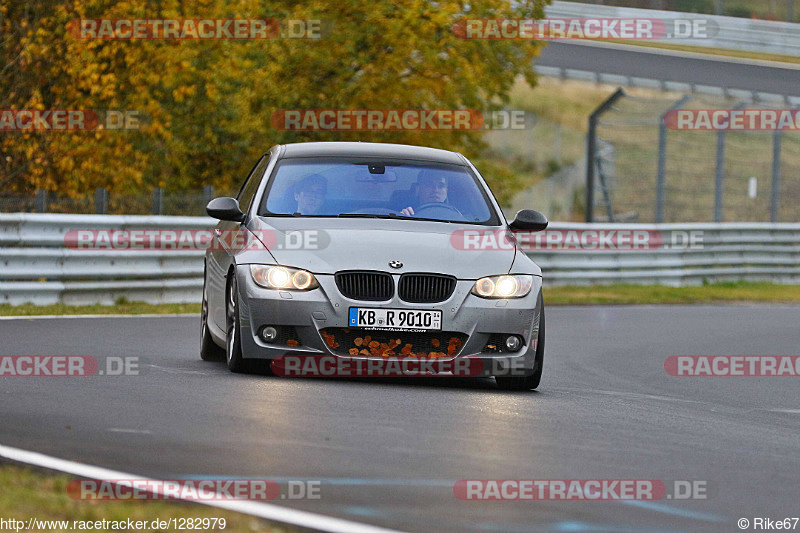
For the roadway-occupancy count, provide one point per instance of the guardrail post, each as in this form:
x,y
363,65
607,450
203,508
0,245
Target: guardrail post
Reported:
x,y
591,150
40,201
100,201
661,178
775,202
158,201
789,10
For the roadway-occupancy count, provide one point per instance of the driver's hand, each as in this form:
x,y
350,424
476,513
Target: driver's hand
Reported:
x,y
408,211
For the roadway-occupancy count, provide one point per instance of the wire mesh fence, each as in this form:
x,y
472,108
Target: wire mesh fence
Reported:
x,y
648,172
157,202
643,171
17,204
789,191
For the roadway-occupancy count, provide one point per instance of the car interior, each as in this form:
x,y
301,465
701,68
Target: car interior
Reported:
x,y
381,194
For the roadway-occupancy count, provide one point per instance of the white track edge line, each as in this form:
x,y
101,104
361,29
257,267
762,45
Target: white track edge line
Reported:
x,y
267,511
51,317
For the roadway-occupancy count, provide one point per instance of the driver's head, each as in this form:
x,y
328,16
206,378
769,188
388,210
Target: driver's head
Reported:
x,y
310,194
432,187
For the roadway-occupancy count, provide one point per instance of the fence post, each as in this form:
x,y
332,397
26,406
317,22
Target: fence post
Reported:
x,y
557,147
208,195
775,202
100,201
661,178
158,201
40,201
591,149
719,174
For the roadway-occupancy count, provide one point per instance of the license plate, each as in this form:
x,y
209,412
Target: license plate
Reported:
x,y
368,317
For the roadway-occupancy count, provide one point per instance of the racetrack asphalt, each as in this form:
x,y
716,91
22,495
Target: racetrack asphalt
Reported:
x,y
716,71
389,451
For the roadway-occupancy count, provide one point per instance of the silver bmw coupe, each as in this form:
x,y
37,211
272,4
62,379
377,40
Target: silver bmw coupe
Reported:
x,y
363,252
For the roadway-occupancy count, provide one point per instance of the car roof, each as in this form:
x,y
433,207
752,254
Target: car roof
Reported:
x,y
377,150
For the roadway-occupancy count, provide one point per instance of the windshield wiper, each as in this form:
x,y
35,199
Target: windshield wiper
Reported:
x,y
433,219
393,217
366,215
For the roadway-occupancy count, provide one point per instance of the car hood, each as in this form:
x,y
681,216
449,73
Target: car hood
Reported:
x,y
371,244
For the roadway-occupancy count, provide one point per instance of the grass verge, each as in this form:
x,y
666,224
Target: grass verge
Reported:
x,y
739,292
33,493
127,308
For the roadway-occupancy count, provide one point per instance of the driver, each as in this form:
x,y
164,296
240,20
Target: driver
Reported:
x,y
310,194
431,188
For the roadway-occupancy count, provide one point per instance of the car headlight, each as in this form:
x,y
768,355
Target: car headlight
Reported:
x,y
513,286
284,278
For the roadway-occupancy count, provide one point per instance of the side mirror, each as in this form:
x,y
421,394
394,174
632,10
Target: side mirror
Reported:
x,y
225,208
530,220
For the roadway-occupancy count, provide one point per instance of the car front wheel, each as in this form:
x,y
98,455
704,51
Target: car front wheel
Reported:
x,y
233,339
532,381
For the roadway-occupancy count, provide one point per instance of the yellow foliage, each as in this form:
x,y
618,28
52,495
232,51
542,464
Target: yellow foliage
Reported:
x,y
205,106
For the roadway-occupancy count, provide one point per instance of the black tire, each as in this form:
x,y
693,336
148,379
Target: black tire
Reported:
x,y
209,351
233,329
528,382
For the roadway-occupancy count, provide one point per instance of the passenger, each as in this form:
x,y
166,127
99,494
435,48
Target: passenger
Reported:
x,y
310,194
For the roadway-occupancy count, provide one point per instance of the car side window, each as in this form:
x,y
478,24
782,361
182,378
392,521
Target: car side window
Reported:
x,y
250,186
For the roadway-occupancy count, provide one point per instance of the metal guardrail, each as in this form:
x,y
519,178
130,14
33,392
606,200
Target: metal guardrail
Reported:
x,y
724,252
734,33
36,267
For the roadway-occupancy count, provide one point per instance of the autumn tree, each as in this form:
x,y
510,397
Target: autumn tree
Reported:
x,y
207,104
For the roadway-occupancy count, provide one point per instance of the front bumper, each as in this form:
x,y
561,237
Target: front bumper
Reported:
x,y
309,312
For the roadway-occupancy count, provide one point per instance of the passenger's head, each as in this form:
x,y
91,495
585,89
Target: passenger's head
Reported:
x,y
309,193
432,187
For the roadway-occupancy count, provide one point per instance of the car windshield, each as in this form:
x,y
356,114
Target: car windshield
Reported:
x,y
406,190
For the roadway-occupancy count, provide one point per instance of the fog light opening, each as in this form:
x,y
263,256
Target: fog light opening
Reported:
x,y
269,334
513,343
